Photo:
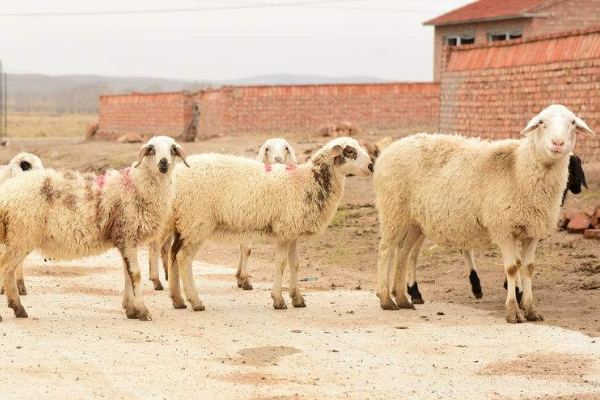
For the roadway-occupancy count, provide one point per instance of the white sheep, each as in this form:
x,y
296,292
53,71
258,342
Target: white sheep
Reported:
x,y
468,193
72,215
20,163
229,198
273,151
574,184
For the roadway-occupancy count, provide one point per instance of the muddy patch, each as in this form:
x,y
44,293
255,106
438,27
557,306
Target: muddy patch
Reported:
x,y
555,366
88,290
260,356
64,271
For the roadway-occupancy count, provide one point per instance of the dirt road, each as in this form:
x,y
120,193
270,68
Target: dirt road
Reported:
x,y
77,343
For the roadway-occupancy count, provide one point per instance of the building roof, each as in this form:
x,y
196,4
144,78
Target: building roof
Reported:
x,y
488,10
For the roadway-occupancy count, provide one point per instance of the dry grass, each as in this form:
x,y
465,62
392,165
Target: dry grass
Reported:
x,y
29,125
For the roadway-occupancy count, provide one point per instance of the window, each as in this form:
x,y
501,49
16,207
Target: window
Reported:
x,y
494,37
458,40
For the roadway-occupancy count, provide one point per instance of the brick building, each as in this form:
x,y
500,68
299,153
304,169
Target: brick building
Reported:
x,y
492,90
487,21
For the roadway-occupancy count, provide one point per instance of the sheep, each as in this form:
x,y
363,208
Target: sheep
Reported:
x,y
20,163
575,181
273,151
227,198
72,215
469,193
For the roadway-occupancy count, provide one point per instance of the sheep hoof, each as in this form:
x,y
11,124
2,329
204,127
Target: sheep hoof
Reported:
x,y
20,312
515,316
247,285
198,308
478,295
178,303
298,302
532,315
22,288
388,304
279,305
417,300
131,313
144,315
157,285
404,303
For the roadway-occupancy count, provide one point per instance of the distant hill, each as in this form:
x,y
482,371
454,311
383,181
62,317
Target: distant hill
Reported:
x,y
79,93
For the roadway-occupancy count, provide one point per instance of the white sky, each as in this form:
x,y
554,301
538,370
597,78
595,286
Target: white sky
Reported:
x,y
383,38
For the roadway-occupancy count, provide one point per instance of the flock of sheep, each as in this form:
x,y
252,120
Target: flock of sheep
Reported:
x,y
461,192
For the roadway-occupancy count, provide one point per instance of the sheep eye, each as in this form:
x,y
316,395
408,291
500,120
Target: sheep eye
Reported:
x,y
573,122
287,149
25,166
267,150
541,122
151,151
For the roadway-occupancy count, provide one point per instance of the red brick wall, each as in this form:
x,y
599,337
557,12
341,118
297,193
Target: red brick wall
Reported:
x,y
232,110
146,114
493,90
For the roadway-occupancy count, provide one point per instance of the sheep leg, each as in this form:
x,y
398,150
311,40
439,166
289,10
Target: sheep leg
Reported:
x,y
411,273
400,270
173,267
127,292
508,247
164,255
243,281
9,260
294,261
387,246
529,247
183,259
473,277
135,308
281,256
21,280
153,259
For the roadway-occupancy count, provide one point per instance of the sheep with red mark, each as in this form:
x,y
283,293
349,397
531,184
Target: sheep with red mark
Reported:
x,y
227,198
273,151
72,215
20,164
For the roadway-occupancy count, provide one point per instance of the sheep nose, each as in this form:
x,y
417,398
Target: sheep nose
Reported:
x,y
163,161
371,167
279,160
558,142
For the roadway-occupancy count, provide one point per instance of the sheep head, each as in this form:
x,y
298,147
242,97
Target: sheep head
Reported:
x,y
347,156
162,151
277,151
554,131
23,162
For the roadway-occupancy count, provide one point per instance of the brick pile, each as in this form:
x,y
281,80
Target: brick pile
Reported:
x,y
586,222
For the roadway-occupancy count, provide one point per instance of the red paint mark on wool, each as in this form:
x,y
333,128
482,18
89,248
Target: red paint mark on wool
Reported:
x,y
126,177
100,180
291,167
268,168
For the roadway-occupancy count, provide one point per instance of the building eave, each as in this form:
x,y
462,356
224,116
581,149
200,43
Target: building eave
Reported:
x,y
490,19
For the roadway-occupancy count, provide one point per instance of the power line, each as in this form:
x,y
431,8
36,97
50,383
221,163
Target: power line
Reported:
x,y
177,10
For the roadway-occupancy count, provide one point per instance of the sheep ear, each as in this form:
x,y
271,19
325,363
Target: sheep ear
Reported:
x,y
336,151
179,153
292,154
531,126
581,127
143,153
262,153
